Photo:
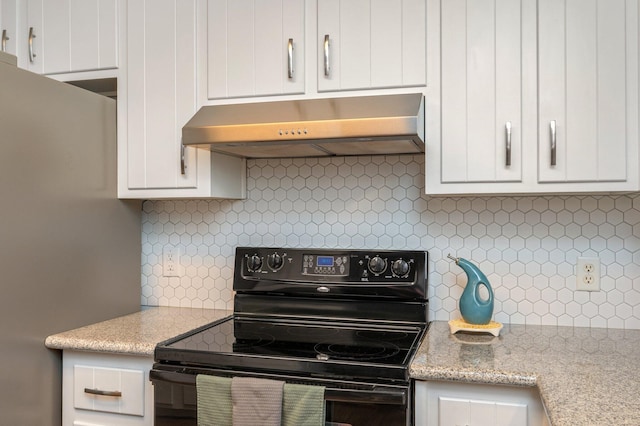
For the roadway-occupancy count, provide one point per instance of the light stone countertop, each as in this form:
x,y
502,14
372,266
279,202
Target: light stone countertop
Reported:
x,y
137,333
586,376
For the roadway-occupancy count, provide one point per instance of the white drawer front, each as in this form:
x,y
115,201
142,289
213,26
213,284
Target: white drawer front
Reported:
x,y
128,383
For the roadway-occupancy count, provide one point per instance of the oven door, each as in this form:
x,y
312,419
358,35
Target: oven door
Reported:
x,y
347,403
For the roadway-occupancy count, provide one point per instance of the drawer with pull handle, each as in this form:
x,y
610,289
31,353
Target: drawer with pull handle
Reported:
x,y
112,390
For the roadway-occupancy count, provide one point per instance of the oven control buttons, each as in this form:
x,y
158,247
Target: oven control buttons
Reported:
x,y
254,263
325,265
400,267
275,261
377,265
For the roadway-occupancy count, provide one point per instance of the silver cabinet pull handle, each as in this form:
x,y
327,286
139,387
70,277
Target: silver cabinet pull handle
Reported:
x,y
116,394
290,58
183,163
508,143
552,129
4,40
31,37
327,68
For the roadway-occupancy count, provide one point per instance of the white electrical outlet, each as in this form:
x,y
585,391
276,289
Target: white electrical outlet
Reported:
x,y
588,274
171,262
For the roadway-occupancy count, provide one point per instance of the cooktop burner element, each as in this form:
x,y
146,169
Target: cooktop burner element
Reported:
x,y
356,352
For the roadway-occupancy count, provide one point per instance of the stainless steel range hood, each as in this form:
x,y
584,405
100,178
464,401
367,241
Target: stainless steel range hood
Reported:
x,y
388,124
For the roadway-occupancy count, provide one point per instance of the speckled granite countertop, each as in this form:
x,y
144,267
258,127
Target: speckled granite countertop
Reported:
x,y
137,333
586,376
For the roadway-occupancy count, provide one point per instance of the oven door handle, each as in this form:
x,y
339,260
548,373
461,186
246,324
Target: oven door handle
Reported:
x,y
172,377
378,394
373,396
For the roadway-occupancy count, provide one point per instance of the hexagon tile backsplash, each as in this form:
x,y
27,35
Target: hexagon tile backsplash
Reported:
x,y
527,246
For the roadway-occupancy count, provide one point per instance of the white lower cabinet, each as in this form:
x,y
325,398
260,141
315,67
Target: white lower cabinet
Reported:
x,y
106,389
461,404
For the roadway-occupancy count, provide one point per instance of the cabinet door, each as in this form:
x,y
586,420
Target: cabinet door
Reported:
x,y
365,44
71,35
255,48
93,35
587,80
156,97
453,411
481,91
8,26
160,92
449,403
456,412
510,414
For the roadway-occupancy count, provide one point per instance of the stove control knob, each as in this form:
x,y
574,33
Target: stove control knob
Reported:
x,y
400,267
377,265
254,263
275,261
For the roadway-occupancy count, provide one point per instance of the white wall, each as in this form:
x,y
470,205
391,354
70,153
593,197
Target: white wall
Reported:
x,y
527,246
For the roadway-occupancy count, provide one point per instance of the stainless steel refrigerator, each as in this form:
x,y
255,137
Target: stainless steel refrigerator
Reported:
x,y
69,249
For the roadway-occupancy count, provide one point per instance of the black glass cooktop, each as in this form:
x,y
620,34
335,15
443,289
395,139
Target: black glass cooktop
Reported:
x,y
287,339
287,345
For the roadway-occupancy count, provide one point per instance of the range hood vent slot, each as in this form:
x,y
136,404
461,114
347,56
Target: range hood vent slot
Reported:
x,y
370,125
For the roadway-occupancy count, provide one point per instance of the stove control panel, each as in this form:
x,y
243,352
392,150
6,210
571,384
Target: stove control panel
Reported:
x,y
325,265
267,269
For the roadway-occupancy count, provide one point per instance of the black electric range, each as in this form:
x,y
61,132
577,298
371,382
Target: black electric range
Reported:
x,y
350,320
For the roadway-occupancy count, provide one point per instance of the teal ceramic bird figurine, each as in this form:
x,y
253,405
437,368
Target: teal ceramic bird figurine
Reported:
x,y
474,308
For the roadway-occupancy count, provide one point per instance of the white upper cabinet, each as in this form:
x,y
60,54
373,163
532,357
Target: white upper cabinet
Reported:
x,y
160,92
156,97
588,84
481,91
8,26
255,48
367,44
562,75
64,36
292,47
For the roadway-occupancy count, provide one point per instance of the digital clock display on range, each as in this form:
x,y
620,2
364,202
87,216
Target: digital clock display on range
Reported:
x,y
325,265
325,261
